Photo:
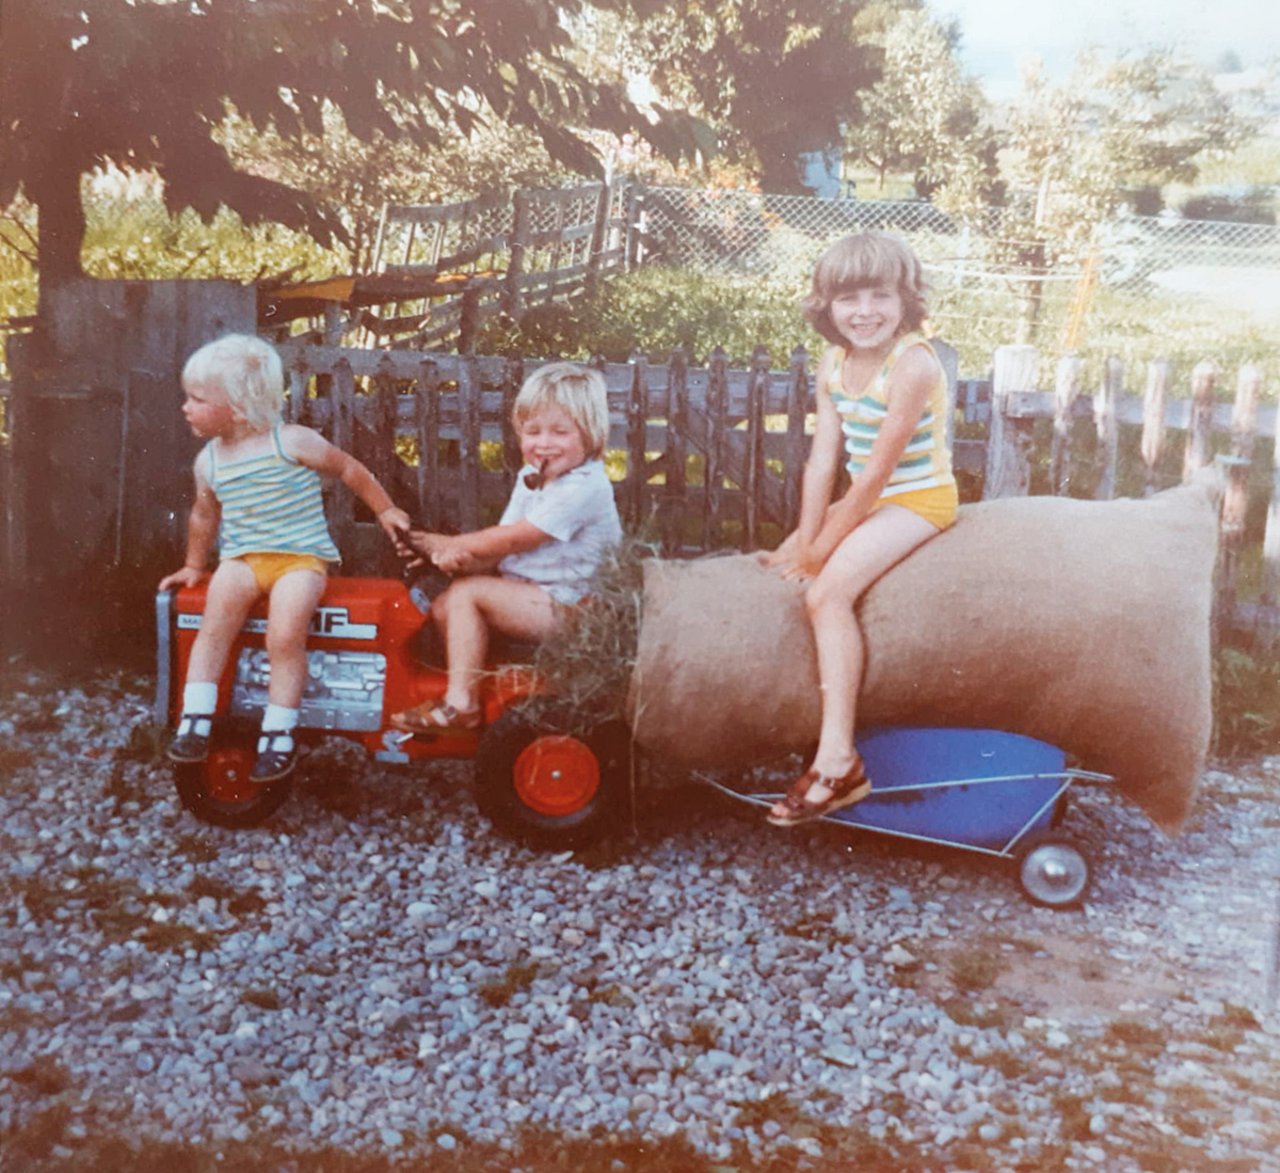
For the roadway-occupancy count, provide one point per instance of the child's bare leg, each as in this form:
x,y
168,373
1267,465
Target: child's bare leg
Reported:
x,y
294,598
469,610
232,592
880,542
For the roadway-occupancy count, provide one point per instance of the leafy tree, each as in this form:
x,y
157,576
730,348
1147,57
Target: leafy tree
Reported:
x,y
145,84
926,118
1080,150
357,178
778,78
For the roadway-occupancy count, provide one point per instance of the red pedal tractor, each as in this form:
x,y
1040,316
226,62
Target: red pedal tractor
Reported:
x,y
547,787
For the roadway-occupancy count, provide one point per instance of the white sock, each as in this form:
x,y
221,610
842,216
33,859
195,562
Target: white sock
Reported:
x,y
200,698
278,719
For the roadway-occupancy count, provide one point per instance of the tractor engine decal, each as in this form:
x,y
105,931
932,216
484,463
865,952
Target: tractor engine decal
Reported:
x,y
333,622
343,691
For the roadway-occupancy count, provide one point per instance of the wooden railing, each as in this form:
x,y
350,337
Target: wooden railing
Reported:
x,y
707,457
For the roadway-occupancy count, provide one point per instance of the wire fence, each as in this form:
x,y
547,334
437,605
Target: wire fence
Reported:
x,y
742,230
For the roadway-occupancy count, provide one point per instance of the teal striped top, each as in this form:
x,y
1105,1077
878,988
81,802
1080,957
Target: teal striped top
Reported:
x,y
926,461
271,504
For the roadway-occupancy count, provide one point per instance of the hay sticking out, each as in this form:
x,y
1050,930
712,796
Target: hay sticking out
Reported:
x,y
587,664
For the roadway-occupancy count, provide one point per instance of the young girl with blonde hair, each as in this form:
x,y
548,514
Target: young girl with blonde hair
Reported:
x,y
257,483
881,408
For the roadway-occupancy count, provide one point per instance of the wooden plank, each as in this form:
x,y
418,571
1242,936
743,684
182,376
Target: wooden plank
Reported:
x,y
1199,451
752,481
1235,500
797,443
469,449
636,485
1066,389
1270,632
342,423
426,402
674,496
513,301
1152,443
512,381
1104,414
713,474
1009,445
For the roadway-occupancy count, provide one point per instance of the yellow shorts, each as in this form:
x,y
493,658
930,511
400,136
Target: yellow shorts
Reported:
x,y
937,505
268,569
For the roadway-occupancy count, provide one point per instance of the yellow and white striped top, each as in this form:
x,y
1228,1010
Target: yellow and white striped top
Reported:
x,y
926,461
271,504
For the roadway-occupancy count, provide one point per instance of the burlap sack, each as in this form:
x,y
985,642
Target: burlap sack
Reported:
x,y
1084,624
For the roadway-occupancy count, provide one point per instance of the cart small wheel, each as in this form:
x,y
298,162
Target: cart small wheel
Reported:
x,y
218,790
551,789
1053,872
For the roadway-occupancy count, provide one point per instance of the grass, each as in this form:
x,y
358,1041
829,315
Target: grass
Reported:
x,y
976,969
519,976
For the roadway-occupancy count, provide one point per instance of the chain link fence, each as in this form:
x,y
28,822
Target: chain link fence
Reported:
x,y
744,231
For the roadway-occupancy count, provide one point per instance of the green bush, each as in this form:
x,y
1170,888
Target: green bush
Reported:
x,y
1246,705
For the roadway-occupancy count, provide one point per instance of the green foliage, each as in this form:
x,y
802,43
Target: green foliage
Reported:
x,y
656,309
925,118
146,84
1246,705
776,77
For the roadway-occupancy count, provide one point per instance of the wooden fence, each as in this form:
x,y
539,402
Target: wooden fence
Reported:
x,y
497,255
707,457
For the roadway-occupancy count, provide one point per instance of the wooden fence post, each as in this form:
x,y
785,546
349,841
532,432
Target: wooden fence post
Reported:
x,y
468,446
427,426
637,421
674,456
385,463
342,397
512,381
1066,389
712,476
513,297
633,250
1269,628
1153,399
1009,447
752,482
1235,501
1199,450
1104,413
468,320
797,409
604,201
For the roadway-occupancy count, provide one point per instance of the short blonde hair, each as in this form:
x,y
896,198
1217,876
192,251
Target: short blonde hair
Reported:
x,y
250,373
860,260
580,391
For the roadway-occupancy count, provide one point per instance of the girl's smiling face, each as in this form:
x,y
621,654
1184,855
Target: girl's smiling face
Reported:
x,y
868,318
551,440
207,410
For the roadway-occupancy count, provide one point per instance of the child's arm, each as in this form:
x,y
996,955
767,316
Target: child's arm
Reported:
x,y
310,448
202,529
481,549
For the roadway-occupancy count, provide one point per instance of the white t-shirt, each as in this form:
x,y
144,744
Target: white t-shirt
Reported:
x,y
577,510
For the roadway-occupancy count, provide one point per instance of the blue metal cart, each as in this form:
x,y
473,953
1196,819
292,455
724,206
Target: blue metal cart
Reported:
x,y
999,794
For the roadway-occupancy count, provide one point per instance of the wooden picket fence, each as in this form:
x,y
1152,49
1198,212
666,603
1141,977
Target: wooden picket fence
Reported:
x,y
709,457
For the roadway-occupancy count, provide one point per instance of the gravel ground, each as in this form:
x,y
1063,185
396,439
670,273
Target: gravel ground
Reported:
x,y
376,974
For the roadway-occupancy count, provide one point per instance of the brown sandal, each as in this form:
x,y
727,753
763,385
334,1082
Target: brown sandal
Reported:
x,y
437,717
845,791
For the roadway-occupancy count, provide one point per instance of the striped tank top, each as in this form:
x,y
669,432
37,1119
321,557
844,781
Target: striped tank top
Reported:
x,y
271,504
926,461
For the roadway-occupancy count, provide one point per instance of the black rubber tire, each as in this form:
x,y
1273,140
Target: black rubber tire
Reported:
x,y
1053,871
216,791
499,798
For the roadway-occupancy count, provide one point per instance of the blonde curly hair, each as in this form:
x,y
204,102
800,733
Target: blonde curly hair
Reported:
x,y
250,373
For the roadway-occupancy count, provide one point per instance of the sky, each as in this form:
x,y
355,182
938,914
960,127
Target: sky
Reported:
x,y
997,34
